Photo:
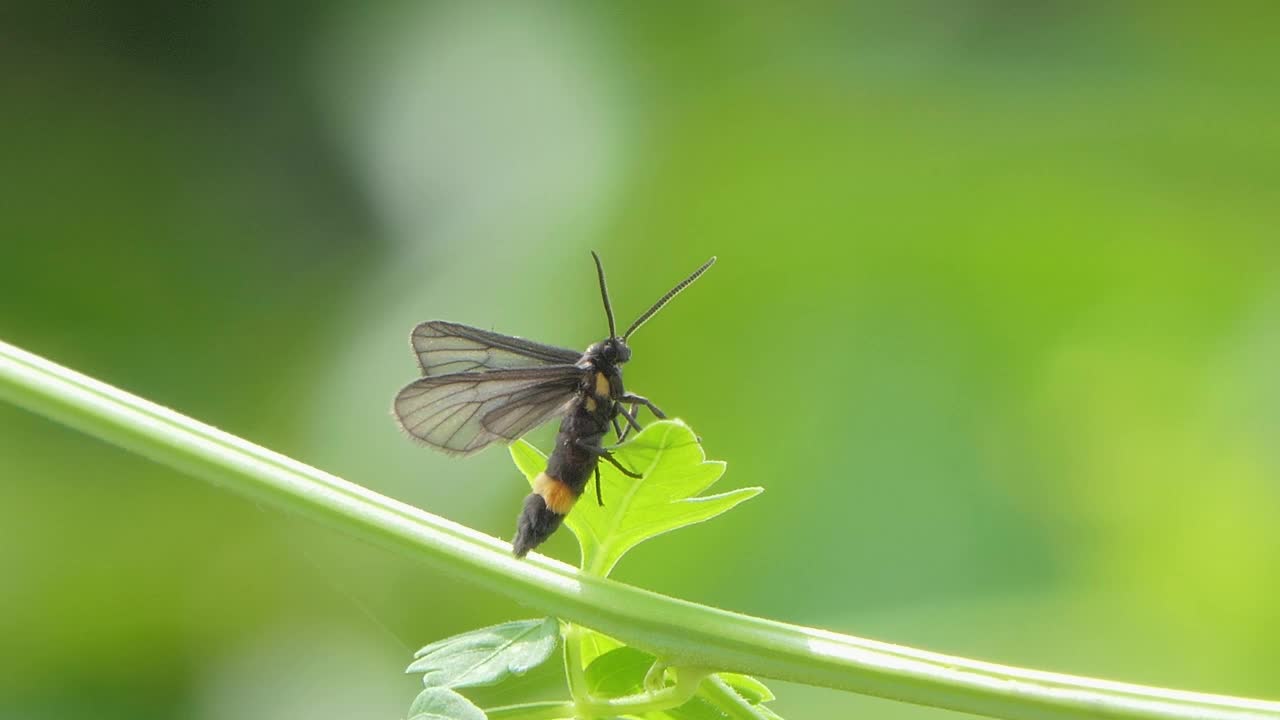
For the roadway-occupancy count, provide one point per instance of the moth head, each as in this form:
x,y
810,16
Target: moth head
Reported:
x,y
619,349
613,351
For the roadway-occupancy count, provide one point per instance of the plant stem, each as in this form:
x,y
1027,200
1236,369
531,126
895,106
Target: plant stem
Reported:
x,y
666,698
575,673
532,711
718,693
681,632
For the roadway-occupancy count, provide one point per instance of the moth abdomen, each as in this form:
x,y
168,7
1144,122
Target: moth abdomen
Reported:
x,y
544,510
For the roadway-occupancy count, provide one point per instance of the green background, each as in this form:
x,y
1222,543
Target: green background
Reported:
x,y
996,324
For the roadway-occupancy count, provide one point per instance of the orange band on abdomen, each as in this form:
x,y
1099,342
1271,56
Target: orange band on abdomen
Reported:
x,y
558,496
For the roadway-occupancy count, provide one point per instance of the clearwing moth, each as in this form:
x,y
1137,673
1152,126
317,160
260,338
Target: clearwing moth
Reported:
x,y
481,387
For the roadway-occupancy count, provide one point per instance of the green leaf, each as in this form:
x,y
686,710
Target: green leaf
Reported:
x,y
488,655
595,644
675,470
440,703
618,673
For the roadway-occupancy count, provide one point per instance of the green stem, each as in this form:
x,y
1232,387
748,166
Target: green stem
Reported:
x,y
718,693
687,682
681,632
532,711
574,671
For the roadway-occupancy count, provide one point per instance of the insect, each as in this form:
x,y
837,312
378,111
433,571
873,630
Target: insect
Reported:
x,y
481,387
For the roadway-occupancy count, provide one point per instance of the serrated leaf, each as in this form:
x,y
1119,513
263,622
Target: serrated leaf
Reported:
x,y
441,703
488,655
675,470
618,673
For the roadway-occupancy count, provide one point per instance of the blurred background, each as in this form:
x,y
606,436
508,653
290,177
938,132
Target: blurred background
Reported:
x,y
996,324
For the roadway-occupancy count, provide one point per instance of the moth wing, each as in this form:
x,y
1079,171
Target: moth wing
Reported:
x,y
532,408
445,348
464,412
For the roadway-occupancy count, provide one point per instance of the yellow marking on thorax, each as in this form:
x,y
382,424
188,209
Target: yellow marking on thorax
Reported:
x,y
602,385
591,404
557,495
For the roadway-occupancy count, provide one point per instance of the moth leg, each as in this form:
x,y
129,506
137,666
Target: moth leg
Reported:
x,y
606,455
617,428
599,499
626,431
632,423
612,461
642,400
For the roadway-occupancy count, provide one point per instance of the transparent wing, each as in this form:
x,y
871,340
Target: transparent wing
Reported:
x,y
445,348
464,412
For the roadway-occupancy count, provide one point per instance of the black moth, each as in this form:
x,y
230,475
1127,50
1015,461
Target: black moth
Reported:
x,y
480,387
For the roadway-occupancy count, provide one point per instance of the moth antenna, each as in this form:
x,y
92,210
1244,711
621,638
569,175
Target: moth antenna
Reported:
x,y
604,294
665,298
